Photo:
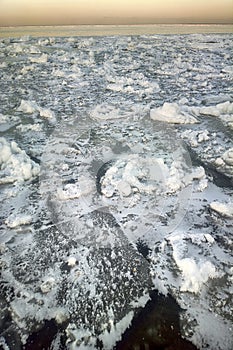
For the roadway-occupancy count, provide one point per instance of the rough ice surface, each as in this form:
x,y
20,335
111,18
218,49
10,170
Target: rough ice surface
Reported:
x,y
108,143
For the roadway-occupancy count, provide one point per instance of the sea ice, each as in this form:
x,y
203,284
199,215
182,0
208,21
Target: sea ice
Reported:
x,y
14,221
194,273
172,113
16,165
31,107
224,163
224,209
120,210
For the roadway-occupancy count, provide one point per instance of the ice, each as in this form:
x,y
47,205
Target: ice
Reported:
x,y
29,127
14,221
195,137
31,107
224,209
194,273
27,107
116,180
218,110
47,285
224,163
40,59
16,165
171,113
71,261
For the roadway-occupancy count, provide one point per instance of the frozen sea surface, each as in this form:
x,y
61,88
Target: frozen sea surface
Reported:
x,y
116,175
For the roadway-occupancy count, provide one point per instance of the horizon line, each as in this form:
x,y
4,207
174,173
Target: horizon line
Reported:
x,y
117,24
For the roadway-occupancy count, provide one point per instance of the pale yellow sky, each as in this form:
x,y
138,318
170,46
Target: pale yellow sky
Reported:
x,y
41,12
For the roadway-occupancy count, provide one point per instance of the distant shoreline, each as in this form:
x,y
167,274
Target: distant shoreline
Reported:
x,y
112,29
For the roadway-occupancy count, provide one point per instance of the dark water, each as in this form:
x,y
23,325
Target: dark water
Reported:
x,y
155,327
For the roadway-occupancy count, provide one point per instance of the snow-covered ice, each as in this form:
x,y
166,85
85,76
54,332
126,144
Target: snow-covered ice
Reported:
x,y
116,170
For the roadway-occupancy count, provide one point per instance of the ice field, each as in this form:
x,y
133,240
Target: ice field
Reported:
x,y
116,182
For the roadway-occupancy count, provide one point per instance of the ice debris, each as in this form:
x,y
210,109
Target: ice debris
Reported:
x,y
136,175
39,59
194,273
195,137
224,163
224,209
30,107
172,113
15,164
14,221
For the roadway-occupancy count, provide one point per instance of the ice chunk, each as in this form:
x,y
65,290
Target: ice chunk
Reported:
x,y
72,191
47,285
27,127
31,107
47,113
172,113
14,221
224,163
71,261
16,165
40,59
195,137
224,209
28,107
194,273
228,157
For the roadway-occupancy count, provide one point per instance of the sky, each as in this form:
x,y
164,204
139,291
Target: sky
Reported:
x,y
50,12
